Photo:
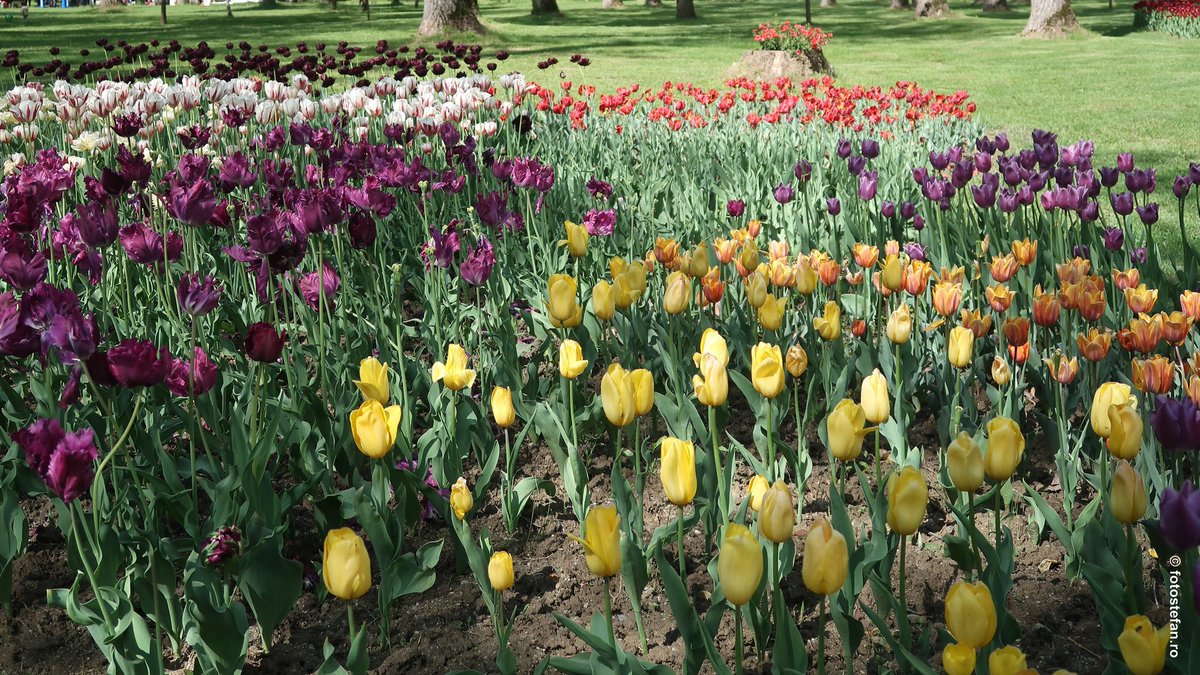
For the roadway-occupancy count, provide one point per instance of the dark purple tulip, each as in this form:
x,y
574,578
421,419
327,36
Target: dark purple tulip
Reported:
x,y
317,211
545,178
97,223
142,244
1027,159
920,175
492,208
599,189
802,171
908,210
1002,142
918,222
1109,176
955,154
784,193
939,160
601,222
1090,212
735,208
194,377
984,195
985,145
477,266
1114,238
223,546
324,282
1138,255
1122,203
1081,251
1194,173
1008,201
833,205
1181,186
961,174
502,170
915,251
194,203
1148,213
22,267
236,172
1176,424
1047,154
983,162
855,164
138,363
1125,162
1037,181
1179,517
127,126
844,148
1151,181
868,183
197,296
38,441
887,209
70,472
870,148
444,244
263,343
1063,176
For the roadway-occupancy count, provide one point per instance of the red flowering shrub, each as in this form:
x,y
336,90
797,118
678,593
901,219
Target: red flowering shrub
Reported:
x,y
1177,17
789,36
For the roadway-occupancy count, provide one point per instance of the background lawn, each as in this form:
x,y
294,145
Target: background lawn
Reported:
x,y
1125,90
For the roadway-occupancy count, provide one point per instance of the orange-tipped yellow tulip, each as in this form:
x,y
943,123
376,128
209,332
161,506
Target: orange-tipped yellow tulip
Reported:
x,y
678,471
345,565
766,369
739,564
602,543
500,571
502,407
1128,497
1143,647
796,360
372,380
777,513
971,614
908,497
374,428
826,559
571,363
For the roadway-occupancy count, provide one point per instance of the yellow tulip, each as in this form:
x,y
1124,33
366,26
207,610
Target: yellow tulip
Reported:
x,y
712,384
577,239
958,660
454,373
1128,498
502,407
757,488
1007,661
806,277
766,369
960,346
1108,395
643,391
678,293
777,513
829,324
826,559
1125,431
345,565
697,263
1143,647
562,292
971,614
908,496
756,290
602,545
1006,447
796,360
571,363
892,276
374,428
770,315
461,499
750,257
678,471
964,460
899,325
845,429
604,304
739,564
500,571
712,343
616,394
373,380
875,401
1001,373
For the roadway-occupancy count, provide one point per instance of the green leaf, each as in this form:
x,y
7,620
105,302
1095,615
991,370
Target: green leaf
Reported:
x,y
271,584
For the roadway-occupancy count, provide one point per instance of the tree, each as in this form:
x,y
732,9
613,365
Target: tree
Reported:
x,y
898,4
441,16
808,12
685,9
931,8
1050,18
994,5
163,6
545,7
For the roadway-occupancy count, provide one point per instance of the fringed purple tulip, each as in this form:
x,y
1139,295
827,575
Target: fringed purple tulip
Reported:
x,y
323,282
443,244
22,267
600,222
138,363
599,189
194,377
362,230
223,546
197,296
478,265
263,343
63,460
915,251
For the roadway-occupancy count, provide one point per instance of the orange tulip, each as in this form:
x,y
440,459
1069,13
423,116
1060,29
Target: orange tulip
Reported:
x,y
1143,334
1073,271
1193,388
999,297
1141,299
725,249
1176,326
1062,370
947,297
955,275
1189,302
1155,375
666,252
781,273
1025,251
754,228
1004,268
1045,307
858,327
712,288
1091,305
866,256
828,271
1126,279
916,277
1016,331
1094,344
975,322
777,250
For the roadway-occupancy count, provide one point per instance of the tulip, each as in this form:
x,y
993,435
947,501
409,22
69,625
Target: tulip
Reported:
x,y
964,460
678,471
1007,661
502,407
777,513
454,373
796,360
892,275
677,294
138,363
908,496
970,614
1125,431
960,347
263,343
373,380
875,401
711,342
500,571
756,290
461,499
829,324
739,564
194,377
616,394
767,369
757,488
1128,498
947,297
1108,395
958,660
665,251
1001,374
603,301
806,277
562,289
1006,447
571,363
770,314
374,428
899,325
845,429
750,258
577,239
602,545
1143,647
643,391
826,559
1179,517
345,565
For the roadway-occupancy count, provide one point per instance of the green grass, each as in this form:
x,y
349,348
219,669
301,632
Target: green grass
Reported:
x,y
1125,90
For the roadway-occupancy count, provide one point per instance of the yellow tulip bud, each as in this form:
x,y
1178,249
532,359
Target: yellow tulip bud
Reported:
x,y
829,324
461,499
777,515
500,571
964,460
756,290
712,384
757,488
1001,374
678,470
971,614
826,559
562,290
1006,447
712,343
571,363
875,401
373,380
616,394
697,262
643,391
899,325
845,429
577,239
908,496
604,304
374,428
678,293
1143,647
345,565
502,407
892,276
1108,395
454,373
1007,661
1128,498
602,542
960,346
1125,431
958,660
739,564
750,257
796,360
766,369
770,315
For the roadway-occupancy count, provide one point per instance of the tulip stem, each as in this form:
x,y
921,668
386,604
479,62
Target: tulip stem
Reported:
x,y
612,636
738,647
821,639
769,451
1132,570
679,542
350,619
996,510
77,533
903,622
500,619
722,492
878,462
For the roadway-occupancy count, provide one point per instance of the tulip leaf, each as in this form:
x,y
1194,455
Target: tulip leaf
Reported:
x,y
14,540
271,584
695,635
219,632
883,596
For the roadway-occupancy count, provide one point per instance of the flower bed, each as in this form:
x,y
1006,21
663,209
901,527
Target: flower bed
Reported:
x,y
1177,17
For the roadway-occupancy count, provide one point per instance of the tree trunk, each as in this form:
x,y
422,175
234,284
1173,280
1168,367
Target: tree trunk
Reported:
x,y
808,12
931,8
611,4
545,7
994,5
366,6
899,4
829,3
1050,18
441,16
163,6
685,9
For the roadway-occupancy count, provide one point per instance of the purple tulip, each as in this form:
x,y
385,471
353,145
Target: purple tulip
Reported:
x,y
802,171
783,193
870,148
236,172
443,244
920,175
223,546
197,296
984,195
599,189
38,441
477,266
961,174
735,208
1037,181
1176,424
138,363
1109,176
1027,159
1138,255
1125,162
1002,142
985,145
868,183
22,267
1081,251
1122,203
887,209
263,343
1148,213
908,210
833,205
1008,201
316,211
492,208
1181,186
324,282
855,164
1114,238
127,126
193,203
362,230
97,223
915,251
939,160
145,246
1179,517
600,222
844,148
918,222
70,472
1090,212
983,162
1194,173
194,377
1048,200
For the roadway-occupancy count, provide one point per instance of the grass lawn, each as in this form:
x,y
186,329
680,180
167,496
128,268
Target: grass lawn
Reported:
x,y
1125,90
